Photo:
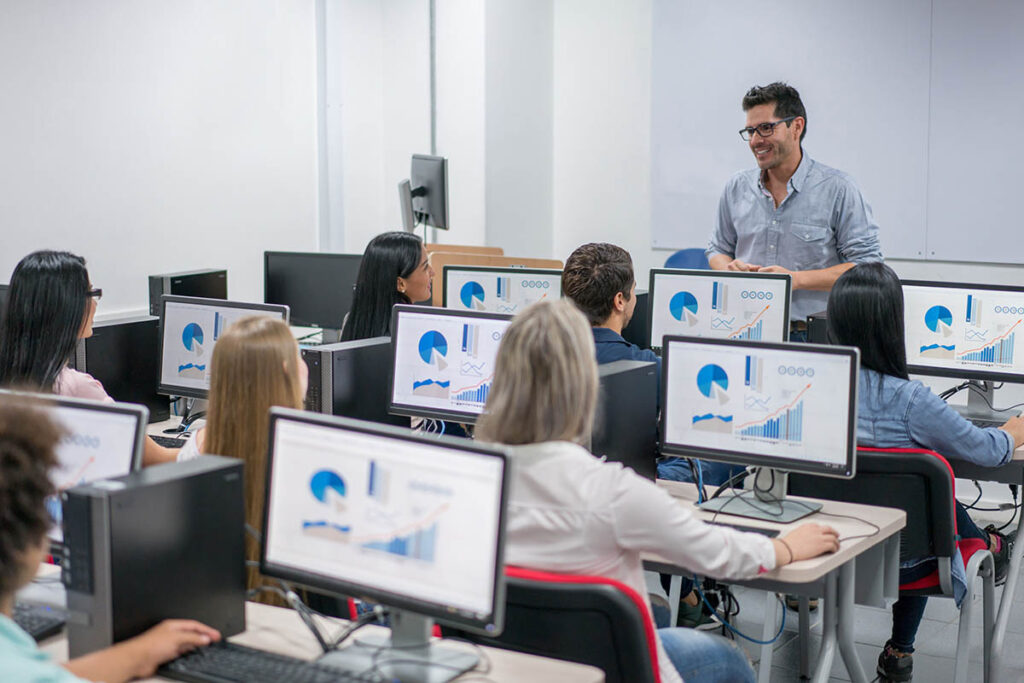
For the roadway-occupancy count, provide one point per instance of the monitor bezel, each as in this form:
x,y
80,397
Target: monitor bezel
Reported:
x,y
489,626
715,273
743,457
316,255
957,373
464,417
190,392
512,270
429,173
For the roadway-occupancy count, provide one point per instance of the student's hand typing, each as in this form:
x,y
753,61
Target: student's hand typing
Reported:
x,y
805,542
168,640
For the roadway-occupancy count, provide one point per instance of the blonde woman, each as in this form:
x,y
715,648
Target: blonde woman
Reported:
x,y
572,513
255,365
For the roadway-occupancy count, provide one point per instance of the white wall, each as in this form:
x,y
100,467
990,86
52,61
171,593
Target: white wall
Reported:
x,y
152,137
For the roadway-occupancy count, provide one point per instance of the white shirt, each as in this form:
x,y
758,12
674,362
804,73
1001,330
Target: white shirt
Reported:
x,y
570,512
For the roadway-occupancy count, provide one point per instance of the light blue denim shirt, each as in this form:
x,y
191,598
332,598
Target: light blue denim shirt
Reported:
x,y
900,413
823,221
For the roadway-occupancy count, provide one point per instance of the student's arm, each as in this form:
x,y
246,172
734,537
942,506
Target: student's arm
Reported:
x,y
935,425
140,656
155,454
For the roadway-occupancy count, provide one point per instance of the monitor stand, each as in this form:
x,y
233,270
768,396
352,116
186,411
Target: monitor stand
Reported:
x,y
981,397
406,655
766,502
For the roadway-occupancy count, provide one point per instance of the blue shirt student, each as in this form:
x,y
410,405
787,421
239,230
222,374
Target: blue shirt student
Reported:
x,y
22,660
823,221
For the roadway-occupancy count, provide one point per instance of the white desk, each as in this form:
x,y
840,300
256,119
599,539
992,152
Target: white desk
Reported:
x,y
832,576
280,630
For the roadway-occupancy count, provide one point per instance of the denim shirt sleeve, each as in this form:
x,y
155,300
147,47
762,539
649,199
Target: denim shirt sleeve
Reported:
x,y
723,240
933,424
856,230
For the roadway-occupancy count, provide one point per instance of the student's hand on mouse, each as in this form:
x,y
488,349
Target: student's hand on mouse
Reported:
x,y
1015,428
170,639
807,541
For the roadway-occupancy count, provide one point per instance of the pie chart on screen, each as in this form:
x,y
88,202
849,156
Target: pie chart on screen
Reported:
x,y
684,305
472,295
713,382
433,348
192,337
939,319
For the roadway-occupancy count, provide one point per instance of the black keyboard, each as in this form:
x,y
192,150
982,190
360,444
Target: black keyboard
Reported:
x,y
227,662
38,621
770,533
169,441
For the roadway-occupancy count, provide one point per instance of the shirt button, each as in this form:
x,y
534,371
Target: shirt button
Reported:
x,y
775,222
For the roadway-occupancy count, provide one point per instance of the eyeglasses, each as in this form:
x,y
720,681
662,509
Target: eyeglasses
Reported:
x,y
95,294
765,129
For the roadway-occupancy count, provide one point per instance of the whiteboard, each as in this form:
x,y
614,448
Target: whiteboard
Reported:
x,y
862,69
151,137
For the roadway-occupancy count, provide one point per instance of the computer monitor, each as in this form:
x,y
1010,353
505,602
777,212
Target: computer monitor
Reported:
x,y
101,440
715,303
443,362
190,328
965,331
498,290
316,287
428,178
413,522
405,205
790,408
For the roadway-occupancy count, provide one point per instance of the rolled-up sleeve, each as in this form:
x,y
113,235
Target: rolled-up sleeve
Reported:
x,y
856,230
935,425
723,239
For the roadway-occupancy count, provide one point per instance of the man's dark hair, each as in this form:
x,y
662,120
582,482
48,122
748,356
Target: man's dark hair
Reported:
x,y
28,439
786,98
865,309
592,277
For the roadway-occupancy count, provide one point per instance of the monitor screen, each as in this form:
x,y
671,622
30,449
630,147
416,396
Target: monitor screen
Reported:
x,y
790,407
189,330
101,441
499,290
412,522
963,330
317,288
443,361
714,303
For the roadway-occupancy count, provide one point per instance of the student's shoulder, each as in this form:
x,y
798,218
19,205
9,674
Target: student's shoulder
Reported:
x,y
75,384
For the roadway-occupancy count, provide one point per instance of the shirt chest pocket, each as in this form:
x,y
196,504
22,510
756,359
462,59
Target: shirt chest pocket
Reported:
x,y
811,246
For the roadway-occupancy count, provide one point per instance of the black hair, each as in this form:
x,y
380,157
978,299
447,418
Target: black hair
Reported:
x,y
593,275
46,306
28,440
865,309
388,256
786,98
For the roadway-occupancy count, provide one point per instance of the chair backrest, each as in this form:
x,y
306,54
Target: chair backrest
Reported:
x,y
688,258
585,619
917,481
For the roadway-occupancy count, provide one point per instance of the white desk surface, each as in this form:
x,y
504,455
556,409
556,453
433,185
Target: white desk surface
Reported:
x,y
280,630
889,521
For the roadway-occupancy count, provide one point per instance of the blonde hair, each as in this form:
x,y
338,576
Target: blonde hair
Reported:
x,y
254,367
545,379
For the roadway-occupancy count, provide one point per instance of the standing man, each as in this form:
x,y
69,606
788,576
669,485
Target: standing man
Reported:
x,y
792,214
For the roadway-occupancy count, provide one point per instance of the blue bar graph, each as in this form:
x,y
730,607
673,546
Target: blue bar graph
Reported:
x,y
789,426
470,335
753,332
476,395
503,287
378,482
417,545
752,376
973,304
1000,352
218,325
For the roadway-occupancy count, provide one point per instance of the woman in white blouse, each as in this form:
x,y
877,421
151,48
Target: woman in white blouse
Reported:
x,y
570,512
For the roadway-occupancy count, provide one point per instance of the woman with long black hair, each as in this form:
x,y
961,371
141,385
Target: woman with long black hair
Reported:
x,y
50,306
395,270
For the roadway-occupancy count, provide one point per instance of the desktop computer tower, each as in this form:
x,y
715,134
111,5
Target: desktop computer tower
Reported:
x,y
124,355
164,542
638,331
817,328
209,283
351,379
626,419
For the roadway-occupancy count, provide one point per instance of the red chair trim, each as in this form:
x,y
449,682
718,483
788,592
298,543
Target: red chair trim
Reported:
x,y
636,598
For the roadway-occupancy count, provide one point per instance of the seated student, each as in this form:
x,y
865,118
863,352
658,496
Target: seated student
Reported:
x,y
255,365
572,513
27,452
50,306
395,270
598,278
865,309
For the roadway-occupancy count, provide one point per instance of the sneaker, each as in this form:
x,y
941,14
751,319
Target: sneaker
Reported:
x,y
1001,556
693,616
793,603
894,665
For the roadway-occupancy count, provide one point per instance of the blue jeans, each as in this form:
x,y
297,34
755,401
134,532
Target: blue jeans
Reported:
x,y
701,656
714,473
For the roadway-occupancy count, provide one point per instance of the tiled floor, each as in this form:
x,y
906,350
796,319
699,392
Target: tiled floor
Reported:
x,y
935,646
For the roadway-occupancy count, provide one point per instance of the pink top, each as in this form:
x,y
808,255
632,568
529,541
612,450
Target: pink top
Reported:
x,y
75,384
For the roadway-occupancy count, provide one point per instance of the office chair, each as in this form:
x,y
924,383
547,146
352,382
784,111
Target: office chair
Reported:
x,y
584,619
688,258
921,483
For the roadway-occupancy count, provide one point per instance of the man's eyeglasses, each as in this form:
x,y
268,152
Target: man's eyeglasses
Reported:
x,y
95,294
765,129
